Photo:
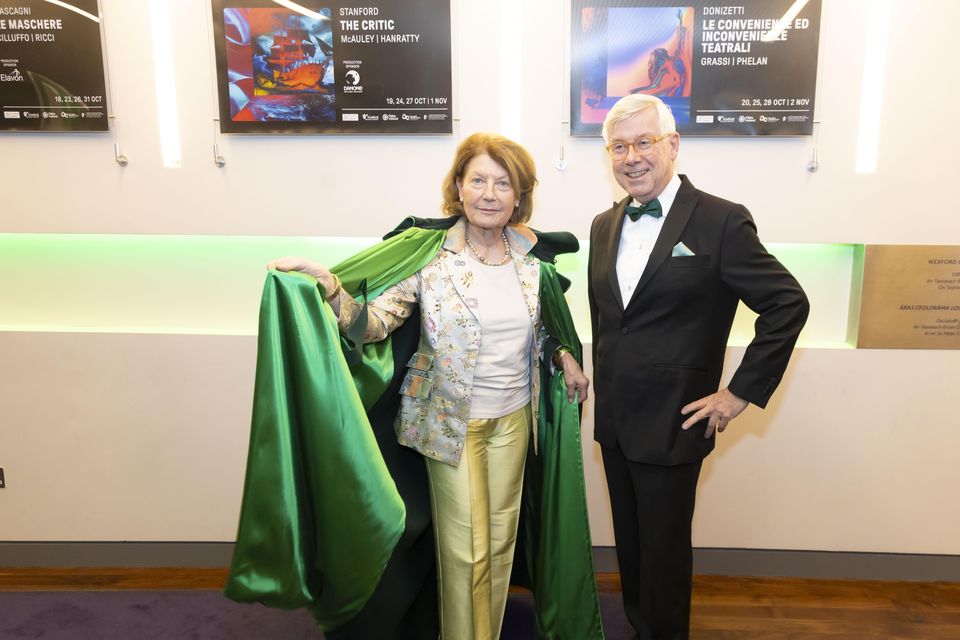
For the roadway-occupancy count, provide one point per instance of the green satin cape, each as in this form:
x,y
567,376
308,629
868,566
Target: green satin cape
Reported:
x,y
557,549
320,515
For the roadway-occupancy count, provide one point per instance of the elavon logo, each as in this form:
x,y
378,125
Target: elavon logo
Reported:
x,y
12,77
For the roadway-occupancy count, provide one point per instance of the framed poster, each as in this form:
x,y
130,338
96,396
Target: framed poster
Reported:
x,y
333,66
52,74
707,59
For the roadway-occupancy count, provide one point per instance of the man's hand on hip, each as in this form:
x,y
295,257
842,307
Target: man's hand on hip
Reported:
x,y
718,409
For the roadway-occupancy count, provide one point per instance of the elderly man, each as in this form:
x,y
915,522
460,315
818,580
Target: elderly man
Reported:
x,y
668,265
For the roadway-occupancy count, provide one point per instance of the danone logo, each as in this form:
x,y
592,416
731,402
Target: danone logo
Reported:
x,y
11,77
352,78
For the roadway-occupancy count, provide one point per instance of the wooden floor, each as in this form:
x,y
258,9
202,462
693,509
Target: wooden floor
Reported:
x,y
724,608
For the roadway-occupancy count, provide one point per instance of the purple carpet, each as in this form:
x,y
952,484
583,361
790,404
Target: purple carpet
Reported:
x,y
206,615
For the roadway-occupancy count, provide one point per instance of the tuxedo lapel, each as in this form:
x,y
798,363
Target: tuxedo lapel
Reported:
x,y
673,226
612,248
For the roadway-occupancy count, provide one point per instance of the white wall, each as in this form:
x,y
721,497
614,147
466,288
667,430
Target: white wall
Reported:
x,y
123,421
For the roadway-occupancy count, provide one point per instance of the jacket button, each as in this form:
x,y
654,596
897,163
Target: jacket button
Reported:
x,y
624,331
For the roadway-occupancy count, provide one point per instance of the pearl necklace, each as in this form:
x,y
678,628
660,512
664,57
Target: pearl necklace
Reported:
x,y
506,251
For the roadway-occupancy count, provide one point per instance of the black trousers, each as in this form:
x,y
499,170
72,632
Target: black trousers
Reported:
x,y
652,518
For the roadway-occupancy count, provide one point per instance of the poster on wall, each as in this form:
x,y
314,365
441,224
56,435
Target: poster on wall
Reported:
x,y
52,74
333,66
746,67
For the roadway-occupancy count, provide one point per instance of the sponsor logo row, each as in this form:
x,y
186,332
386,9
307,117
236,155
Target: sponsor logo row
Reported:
x,y
746,119
50,115
390,117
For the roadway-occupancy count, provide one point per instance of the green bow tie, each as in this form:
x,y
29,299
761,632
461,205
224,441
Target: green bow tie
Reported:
x,y
652,209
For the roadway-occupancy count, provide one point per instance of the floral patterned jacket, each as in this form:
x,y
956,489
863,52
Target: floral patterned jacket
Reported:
x,y
438,385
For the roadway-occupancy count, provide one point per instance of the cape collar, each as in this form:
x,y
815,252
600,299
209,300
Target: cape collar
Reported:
x,y
520,236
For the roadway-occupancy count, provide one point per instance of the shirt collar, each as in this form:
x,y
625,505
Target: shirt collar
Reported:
x,y
666,197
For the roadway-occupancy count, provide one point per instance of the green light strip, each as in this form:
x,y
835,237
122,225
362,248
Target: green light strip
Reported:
x,y
210,285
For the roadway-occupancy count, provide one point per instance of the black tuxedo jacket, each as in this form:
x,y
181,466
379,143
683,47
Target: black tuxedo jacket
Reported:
x,y
664,347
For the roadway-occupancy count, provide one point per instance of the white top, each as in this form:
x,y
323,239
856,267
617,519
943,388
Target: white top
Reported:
x,y
637,240
501,380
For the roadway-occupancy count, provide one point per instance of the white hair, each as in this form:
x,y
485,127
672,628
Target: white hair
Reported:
x,y
632,104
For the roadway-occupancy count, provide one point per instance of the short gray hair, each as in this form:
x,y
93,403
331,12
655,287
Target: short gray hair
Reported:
x,y
632,104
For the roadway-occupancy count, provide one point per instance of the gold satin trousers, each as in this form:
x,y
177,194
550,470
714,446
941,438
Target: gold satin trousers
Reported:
x,y
476,508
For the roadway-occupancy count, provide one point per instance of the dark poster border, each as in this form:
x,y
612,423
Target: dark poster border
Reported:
x,y
768,90
53,76
367,85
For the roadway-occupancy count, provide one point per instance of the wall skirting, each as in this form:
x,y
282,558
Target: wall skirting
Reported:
x,y
828,565
834,565
115,554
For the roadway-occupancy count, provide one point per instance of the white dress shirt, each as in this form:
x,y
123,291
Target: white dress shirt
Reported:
x,y
637,240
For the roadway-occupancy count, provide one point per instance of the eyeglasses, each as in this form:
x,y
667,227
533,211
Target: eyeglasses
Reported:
x,y
619,149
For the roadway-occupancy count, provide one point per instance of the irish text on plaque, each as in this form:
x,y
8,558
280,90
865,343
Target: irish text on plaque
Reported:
x,y
911,297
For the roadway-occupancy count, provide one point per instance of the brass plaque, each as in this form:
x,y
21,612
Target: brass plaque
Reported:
x,y
910,297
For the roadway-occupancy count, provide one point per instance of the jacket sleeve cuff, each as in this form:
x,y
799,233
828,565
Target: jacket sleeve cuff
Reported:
x,y
753,388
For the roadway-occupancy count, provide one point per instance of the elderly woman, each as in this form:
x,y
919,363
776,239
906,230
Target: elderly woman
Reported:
x,y
471,392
